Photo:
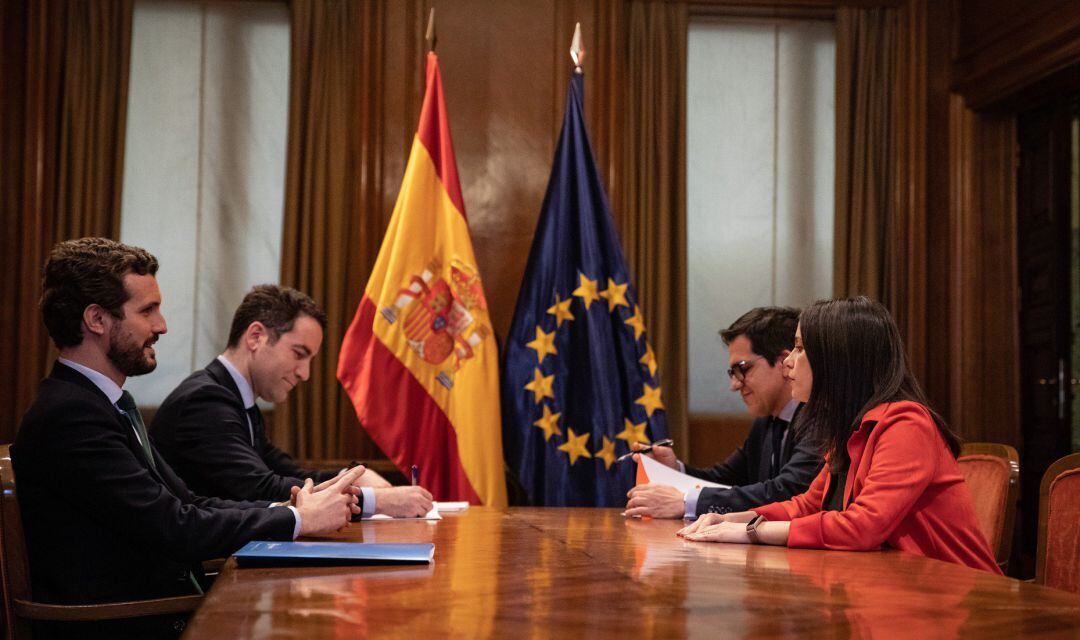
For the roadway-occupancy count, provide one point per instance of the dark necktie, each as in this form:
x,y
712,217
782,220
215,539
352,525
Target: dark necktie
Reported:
x,y
131,411
127,405
256,420
777,425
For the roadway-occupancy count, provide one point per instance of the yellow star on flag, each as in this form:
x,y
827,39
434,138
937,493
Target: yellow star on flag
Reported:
x,y
615,294
633,432
586,291
549,424
543,344
650,399
649,359
637,322
575,446
561,311
541,386
607,453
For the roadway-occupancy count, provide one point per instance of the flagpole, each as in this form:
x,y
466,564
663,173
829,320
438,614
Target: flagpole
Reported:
x,y
577,51
429,36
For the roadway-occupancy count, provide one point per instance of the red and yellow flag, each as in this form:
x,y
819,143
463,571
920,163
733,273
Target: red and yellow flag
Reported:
x,y
419,360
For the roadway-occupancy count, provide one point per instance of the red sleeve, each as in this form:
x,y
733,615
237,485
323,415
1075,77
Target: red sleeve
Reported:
x,y
798,506
903,464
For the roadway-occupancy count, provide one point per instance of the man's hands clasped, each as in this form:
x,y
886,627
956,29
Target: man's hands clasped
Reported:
x,y
328,507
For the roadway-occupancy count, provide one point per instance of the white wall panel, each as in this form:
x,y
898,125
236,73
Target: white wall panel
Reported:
x,y
245,119
806,161
759,182
161,173
204,166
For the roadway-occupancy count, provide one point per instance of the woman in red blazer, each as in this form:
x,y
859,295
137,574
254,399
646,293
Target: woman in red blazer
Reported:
x,y
891,478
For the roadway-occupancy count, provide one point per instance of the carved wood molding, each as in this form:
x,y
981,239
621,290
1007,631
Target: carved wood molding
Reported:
x,y
1003,63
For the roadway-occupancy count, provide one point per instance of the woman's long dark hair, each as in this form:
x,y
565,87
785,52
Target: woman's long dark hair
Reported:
x,y
857,361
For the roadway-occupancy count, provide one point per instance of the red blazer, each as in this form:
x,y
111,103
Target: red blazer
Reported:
x,y
904,490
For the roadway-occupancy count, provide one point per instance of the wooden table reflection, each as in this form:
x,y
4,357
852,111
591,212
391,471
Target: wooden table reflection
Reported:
x,y
533,573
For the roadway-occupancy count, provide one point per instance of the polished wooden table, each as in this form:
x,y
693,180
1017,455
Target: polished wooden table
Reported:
x,y
590,573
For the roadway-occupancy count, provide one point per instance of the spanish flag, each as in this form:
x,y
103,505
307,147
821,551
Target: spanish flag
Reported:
x,y
419,360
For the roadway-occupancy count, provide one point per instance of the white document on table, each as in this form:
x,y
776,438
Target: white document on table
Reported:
x,y
449,507
660,473
382,517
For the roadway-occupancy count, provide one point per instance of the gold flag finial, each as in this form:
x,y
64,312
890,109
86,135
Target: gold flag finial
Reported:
x,y
577,51
429,37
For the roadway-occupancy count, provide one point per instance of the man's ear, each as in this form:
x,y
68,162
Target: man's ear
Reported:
x,y
255,335
783,356
96,320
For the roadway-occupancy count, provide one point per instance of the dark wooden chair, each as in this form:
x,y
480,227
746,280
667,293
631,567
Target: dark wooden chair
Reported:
x,y
20,608
992,471
1057,560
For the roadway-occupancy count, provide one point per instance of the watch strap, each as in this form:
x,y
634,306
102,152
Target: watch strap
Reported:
x,y
751,529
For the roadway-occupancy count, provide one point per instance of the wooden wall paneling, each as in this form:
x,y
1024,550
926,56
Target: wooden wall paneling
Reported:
x,y
498,62
1003,47
713,436
937,373
984,351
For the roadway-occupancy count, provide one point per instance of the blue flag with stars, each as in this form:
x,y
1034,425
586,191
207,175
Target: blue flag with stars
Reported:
x,y
581,381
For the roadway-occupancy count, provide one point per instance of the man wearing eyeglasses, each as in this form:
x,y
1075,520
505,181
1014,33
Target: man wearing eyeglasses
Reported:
x,y
773,464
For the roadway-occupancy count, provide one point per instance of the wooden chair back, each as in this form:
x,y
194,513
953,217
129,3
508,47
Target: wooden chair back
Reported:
x,y
1057,560
20,608
13,564
992,471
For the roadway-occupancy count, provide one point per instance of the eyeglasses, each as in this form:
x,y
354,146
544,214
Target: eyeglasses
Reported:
x,y
739,369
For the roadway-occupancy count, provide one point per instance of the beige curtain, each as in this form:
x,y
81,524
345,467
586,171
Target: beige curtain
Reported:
x,y
335,211
881,213
865,216
66,84
652,188
94,116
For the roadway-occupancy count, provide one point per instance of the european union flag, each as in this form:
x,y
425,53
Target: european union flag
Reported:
x,y
581,380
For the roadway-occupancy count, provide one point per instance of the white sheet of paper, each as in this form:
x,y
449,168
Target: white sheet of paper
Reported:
x,y
448,507
662,474
380,517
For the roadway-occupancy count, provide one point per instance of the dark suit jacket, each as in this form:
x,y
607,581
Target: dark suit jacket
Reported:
x,y
747,470
102,525
202,430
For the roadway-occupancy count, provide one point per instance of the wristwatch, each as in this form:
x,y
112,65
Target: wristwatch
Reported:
x,y
751,529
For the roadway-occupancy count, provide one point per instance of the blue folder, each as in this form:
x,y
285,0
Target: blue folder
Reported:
x,y
260,553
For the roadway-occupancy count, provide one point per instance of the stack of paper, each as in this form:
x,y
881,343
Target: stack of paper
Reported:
x,y
659,473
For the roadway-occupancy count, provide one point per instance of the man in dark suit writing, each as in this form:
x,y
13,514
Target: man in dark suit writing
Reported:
x,y
211,431
774,463
105,517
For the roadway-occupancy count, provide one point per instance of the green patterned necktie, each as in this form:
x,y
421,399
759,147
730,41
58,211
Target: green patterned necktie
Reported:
x,y
127,405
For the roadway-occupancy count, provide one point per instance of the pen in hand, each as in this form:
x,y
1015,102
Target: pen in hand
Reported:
x,y
667,442
415,475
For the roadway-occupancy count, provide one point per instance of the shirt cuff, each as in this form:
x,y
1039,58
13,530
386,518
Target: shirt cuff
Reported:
x,y
368,494
296,527
682,467
690,499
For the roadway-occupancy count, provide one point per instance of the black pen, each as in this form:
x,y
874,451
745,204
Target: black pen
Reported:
x,y
667,442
